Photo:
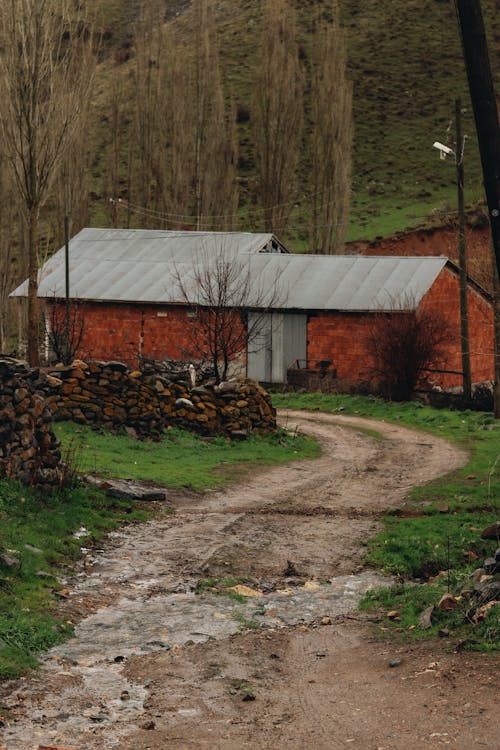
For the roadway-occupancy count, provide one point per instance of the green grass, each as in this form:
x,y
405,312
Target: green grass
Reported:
x,y
29,622
411,601
38,530
452,510
181,459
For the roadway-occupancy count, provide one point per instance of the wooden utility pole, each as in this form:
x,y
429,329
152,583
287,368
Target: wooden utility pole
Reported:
x,y
475,49
462,256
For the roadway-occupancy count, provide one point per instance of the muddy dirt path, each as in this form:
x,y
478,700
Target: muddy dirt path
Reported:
x,y
155,664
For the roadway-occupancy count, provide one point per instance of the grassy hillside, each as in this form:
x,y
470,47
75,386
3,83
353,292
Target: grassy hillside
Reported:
x,y
406,64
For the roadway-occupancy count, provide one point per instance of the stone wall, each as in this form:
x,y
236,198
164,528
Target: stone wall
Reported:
x,y
110,395
29,450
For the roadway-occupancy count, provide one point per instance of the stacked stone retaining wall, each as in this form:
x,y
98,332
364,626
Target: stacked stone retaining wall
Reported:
x,y
29,450
110,395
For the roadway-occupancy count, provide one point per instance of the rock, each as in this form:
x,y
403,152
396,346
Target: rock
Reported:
x,y
482,612
184,402
148,725
57,747
310,586
54,382
491,566
228,386
395,663
290,569
8,561
248,697
326,620
488,591
491,532
394,614
447,602
477,574
443,632
239,434
244,590
126,489
425,618
33,550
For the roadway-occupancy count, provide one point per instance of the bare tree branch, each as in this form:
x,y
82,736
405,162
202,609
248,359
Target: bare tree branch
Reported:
x,y
221,290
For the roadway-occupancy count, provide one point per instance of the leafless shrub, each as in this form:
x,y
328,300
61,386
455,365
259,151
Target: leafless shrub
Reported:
x,y
402,346
65,327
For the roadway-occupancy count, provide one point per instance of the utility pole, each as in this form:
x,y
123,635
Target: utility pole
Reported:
x,y
477,63
462,256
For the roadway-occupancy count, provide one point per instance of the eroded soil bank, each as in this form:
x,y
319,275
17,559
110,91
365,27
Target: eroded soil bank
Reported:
x,y
157,662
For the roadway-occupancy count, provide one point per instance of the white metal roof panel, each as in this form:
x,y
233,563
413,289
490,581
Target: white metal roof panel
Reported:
x,y
143,266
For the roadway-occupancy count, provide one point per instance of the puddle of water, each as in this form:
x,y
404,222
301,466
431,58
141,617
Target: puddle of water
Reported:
x,y
96,705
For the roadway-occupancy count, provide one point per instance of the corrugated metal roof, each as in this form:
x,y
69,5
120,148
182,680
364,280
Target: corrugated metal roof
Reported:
x,y
144,266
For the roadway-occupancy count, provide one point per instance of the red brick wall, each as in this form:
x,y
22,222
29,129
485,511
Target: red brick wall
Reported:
x,y
123,331
443,297
342,337
119,331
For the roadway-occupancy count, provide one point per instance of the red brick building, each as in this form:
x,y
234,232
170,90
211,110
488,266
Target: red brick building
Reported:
x,y
127,283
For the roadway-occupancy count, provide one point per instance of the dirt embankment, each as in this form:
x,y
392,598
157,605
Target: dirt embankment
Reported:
x,y
439,241
155,664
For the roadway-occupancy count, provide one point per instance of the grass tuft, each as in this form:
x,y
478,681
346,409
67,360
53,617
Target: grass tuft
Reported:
x,y
182,459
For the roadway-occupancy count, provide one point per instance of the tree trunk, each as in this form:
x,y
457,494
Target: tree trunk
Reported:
x,y
33,353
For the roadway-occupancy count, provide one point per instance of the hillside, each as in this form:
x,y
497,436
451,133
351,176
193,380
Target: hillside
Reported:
x,y
406,65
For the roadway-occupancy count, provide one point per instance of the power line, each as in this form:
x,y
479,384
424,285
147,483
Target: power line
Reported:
x,y
208,220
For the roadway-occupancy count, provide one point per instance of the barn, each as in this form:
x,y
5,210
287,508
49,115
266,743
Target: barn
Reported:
x,y
313,311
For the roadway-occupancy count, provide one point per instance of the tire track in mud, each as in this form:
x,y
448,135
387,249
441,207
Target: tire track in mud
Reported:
x,y
314,513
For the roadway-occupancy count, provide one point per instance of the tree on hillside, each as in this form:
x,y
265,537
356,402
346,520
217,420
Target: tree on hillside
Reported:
x,y
149,58
215,163
184,151
46,68
278,113
331,136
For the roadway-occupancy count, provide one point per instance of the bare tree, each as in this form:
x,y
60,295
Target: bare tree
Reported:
x,y
215,159
7,238
64,329
46,68
331,135
402,346
220,289
184,154
278,112
174,160
148,61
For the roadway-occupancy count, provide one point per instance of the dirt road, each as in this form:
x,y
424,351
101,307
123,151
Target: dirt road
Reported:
x,y
156,665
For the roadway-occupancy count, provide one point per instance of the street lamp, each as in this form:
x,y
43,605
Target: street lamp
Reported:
x,y
458,155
